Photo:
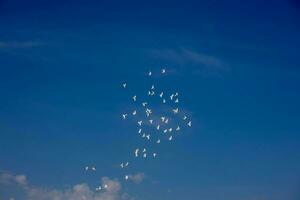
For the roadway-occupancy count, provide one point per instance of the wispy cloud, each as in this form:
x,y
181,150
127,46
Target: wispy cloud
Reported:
x,y
10,179
184,56
78,192
137,178
20,44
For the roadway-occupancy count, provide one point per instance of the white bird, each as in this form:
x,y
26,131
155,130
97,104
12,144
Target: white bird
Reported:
x,y
158,141
144,150
170,129
127,163
124,116
136,152
163,119
126,177
150,73
98,188
124,85
151,121
144,104
148,110
190,123
145,155
167,120
157,127
140,130
134,98
175,111
178,128
172,96
164,101
148,137
171,137
93,168
122,165
176,94
154,155
185,117
105,186
144,135
134,112
149,92
86,168
161,94
163,71
140,123
166,130
177,100
152,93
152,87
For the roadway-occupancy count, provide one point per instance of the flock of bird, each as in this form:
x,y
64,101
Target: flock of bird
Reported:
x,y
164,125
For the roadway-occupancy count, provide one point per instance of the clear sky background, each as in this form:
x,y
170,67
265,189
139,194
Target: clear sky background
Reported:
x,y
235,63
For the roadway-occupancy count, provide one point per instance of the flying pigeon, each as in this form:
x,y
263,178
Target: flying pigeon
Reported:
x,y
175,111
167,120
98,188
190,123
134,98
124,85
172,96
124,116
136,152
140,123
157,127
134,112
161,94
163,71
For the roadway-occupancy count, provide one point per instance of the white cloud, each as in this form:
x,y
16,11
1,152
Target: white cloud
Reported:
x,y
9,179
21,179
78,192
137,178
183,56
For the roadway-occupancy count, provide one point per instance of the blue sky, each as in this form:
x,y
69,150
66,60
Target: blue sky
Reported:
x,y
236,65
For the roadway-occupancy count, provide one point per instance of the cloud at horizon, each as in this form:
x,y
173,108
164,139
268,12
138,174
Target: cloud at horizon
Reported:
x,y
80,191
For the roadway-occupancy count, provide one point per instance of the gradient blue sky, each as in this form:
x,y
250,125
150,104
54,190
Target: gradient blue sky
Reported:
x,y
236,64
